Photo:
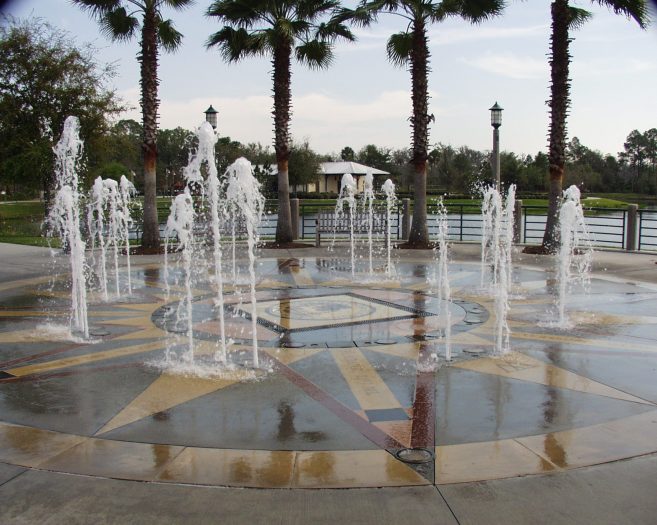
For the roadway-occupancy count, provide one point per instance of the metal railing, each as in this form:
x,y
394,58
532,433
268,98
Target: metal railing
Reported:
x,y
647,230
608,227
309,212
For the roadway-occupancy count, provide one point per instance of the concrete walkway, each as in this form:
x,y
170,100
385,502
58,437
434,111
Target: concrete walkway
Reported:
x,y
616,492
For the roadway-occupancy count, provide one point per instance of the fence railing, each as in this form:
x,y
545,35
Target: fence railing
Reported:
x,y
647,235
623,229
616,228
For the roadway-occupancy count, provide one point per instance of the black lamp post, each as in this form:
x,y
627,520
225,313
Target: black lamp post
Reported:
x,y
496,122
211,116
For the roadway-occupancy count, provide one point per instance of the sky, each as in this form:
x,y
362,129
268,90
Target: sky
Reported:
x,y
363,99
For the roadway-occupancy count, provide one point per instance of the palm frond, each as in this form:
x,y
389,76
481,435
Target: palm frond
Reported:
x,y
118,24
241,13
316,54
332,30
633,9
168,36
359,17
178,5
399,48
473,11
313,9
389,5
577,17
98,8
235,44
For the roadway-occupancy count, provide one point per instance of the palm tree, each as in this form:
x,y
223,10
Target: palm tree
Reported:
x,y
119,20
411,48
277,28
564,18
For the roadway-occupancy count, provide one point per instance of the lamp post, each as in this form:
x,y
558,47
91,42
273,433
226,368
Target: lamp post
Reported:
x,y
211,116
496,122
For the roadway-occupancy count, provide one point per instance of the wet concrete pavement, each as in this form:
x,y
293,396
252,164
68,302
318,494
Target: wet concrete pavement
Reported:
x,y
563,430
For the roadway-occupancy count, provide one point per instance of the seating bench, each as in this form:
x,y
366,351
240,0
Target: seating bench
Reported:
x,y
328,222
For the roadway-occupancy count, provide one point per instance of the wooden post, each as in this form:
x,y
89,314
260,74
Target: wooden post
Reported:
x,y
517,222
406,218
631,238
294,210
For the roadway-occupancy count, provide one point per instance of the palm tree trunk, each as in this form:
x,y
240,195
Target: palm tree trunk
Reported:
x,y
149,106
419,234
559,103
282,97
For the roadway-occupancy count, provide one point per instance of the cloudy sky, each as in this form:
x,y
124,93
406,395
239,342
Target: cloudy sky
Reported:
x,y
362,99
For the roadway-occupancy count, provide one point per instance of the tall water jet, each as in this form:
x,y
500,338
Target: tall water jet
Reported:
x,y
64,219
207,139
575,251
114,226
368,204
503,228
444,290
490,201
126,190
96,228
243,193
347,196
391,199
181,224
496,256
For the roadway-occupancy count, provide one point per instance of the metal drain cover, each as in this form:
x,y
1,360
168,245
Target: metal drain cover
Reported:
x,y
293,345
414,455
97,331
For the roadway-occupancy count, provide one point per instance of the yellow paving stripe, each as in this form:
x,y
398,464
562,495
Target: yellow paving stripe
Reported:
x,y
525,368
403,350
32,313
287,356
600,343
579,447
165,392
352,468
77,360
270,283
151,332
365,383
468,462
30,447
23,282
301,276
244,468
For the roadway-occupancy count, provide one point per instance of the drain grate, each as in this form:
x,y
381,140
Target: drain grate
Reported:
x,y
415,456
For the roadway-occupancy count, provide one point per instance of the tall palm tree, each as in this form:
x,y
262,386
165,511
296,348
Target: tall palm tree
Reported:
x,y
411,48
119,19
277,28
564,18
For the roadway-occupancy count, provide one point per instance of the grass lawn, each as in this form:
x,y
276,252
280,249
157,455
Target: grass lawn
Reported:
x,y
13,210
20,222
28,240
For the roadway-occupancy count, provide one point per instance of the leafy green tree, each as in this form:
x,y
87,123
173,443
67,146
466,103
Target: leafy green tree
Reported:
x,y
120,20
374,157
347,154
173,147
411,48
118,151
564,18
45,77
304,164
279,29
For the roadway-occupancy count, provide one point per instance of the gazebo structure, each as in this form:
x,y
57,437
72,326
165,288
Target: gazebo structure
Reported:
x,y
331,173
